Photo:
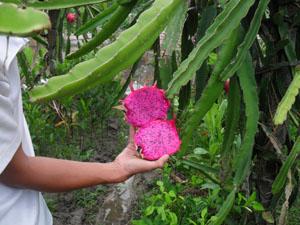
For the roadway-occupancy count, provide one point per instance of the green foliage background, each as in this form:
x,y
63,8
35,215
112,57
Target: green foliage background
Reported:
x,y
239,156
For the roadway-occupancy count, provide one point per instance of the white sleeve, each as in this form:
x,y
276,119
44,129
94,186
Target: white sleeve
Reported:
x,y
10,137
9,47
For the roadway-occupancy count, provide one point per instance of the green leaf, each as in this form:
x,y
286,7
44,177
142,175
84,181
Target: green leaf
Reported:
x,y
118,17
224,210
11,1
22,22
223,25
24,65
125,2
248,41
204,213
211,92
161,211
231,126
143,221
61,4
251,199
288,99
257,206
208,15
200,151
205,170
211,186
98,20
280,179
191,221
112,59
164,69
167,199
173,218
161,185
173,29
40,40
246,76
200,166
172,194
121,93
149,210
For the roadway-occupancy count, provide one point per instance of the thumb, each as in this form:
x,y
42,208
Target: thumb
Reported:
x,y
131,136
161,162
151,165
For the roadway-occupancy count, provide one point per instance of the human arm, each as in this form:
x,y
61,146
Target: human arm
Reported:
x,y
56,175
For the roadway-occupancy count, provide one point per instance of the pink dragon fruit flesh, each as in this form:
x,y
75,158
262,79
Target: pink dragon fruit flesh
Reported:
x,y
157,138
145,104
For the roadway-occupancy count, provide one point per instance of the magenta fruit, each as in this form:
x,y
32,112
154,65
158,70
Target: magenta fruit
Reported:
x,y
157,138
145,105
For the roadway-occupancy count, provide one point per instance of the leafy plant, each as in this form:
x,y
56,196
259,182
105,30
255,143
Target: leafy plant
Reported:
x,y
32,20
236,148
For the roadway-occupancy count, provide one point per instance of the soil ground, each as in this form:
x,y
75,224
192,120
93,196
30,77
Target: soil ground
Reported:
x,y
80,206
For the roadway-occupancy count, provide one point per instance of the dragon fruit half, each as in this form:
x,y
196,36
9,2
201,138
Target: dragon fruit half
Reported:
x,y
157,138
145,105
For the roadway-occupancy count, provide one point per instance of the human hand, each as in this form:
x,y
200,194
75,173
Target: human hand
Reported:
x,y
128,162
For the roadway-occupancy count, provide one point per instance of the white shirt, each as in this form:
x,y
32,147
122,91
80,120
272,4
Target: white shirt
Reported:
x,y
17,206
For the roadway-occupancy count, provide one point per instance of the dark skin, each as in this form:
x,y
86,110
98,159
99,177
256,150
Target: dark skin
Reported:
x,y
57,175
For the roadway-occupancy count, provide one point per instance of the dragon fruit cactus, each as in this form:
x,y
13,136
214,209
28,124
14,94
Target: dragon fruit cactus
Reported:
x,y
157,138
145,105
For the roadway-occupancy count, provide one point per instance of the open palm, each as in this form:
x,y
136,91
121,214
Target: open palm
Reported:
x,y
130,162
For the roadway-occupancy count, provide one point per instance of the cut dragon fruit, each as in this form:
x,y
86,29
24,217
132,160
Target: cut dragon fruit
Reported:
x,y
157,138
145,105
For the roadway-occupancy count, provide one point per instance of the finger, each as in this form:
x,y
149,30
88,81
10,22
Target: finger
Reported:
x,y
131,150
145,165
131,136
131,86
161,162
158,163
